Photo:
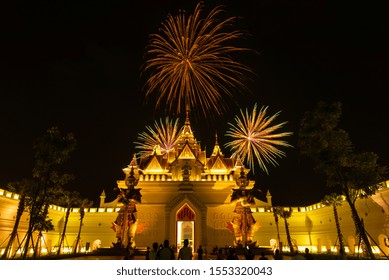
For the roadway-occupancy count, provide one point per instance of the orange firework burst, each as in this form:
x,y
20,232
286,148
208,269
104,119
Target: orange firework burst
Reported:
x,y
254,135
191,63
164,136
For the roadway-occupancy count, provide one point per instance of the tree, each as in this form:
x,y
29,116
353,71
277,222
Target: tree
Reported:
x,y
285,214
68,200
22,188
51,151
42,222
85,203
275,211
335,200
357,175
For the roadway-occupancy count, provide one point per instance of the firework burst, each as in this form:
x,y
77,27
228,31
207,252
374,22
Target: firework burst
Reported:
x,y
164,135
255,136
190,62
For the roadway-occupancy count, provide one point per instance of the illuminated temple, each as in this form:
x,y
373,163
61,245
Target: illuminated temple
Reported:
x,y
187,194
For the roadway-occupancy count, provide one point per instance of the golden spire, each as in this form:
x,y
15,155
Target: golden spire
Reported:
x,y
216,148
134,162
187,131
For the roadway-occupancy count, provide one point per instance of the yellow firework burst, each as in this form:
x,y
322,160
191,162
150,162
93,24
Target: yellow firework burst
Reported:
x,y
255,136
190,63
164,136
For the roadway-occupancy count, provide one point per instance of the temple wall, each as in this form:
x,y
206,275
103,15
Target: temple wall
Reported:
x,y
311,226
152,218
217,232
314,226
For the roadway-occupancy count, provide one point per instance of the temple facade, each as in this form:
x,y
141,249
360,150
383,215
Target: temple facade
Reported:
x,y
187,195
183,194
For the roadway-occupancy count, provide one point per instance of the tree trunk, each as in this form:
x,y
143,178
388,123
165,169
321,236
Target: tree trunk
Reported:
x,y
360,228
64,230
37,248
288,236
340,236
14,233
29,232
35,210
78,238
278,236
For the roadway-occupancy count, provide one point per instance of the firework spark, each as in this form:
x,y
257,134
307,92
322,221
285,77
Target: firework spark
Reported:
x,y
163,135
254,135
191,63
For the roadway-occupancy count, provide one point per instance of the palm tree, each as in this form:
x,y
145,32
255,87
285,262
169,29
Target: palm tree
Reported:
x,y
22,189
69,200
335,200
286,214
278,230
85,203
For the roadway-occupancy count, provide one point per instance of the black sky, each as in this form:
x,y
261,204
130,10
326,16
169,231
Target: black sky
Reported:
x,y
76,65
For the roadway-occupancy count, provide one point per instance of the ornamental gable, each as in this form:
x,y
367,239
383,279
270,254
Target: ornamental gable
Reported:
x,y
186,153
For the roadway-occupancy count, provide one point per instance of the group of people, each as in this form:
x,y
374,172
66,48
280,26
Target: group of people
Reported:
x,y
165,252
296,256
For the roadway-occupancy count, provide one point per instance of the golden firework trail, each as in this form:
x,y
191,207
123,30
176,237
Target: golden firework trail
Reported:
x,y
163,136
191,64
255,136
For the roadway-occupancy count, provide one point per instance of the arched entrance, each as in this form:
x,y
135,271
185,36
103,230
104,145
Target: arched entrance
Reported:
x,y
185,221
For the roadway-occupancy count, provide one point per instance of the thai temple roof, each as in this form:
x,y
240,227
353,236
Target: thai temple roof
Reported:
x,y
187,152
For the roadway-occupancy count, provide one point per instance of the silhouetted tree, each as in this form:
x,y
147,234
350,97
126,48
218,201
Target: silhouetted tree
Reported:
x,y
42,221
51,151
286,214
335,200
68,200
357,175
22,189
84,203
275,213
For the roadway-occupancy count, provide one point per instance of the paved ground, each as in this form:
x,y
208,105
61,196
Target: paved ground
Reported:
x,y
142,257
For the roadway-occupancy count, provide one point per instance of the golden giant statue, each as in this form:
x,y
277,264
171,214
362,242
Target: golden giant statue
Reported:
x,y
126,221
243,222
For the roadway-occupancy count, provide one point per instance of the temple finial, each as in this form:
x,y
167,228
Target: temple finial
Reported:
x,y
187,122
134,161
216,148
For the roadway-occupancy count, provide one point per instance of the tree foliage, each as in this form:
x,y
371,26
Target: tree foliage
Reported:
x,y
51,151
285,214
355,174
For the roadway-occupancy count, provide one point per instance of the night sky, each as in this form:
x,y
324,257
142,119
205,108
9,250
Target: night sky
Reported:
x,y
76,65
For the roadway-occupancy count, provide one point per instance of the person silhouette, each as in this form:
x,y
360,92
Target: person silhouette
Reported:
x,y
307,255
231,254
185,252
166,253
200,253
277,255
263,256
153,252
